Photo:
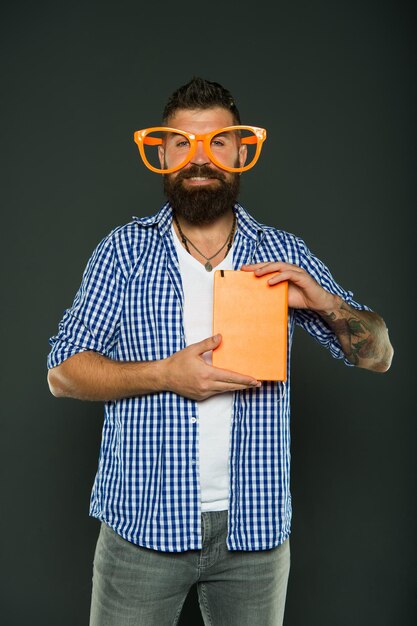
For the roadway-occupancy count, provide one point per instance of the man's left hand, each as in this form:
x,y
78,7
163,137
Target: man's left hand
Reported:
x,y
304,292
363,335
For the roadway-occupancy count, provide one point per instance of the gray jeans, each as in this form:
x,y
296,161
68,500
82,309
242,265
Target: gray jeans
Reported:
x,y
135,586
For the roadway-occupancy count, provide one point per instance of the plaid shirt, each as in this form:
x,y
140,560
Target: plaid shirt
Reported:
x,y
129,307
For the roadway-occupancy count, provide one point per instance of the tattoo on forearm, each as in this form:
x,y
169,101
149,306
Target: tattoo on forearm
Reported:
x,y
360,334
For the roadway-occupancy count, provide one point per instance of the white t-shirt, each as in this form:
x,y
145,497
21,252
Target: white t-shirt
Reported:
x,y
214,414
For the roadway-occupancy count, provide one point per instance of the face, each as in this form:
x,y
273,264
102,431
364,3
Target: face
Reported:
x,y
201,191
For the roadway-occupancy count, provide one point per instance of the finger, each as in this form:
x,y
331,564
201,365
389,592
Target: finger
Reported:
x,y
278,266
223,387
293,276
251,267
206,345
233,378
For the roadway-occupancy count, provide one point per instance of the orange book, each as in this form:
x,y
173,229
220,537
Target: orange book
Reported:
x,y
252,318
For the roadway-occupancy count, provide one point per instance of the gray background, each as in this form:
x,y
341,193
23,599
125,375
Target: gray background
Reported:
x,y
334,84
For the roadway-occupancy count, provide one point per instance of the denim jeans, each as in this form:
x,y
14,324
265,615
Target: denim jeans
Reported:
x,y
135,586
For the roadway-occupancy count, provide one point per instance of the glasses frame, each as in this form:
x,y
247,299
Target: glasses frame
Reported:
x,y
142,138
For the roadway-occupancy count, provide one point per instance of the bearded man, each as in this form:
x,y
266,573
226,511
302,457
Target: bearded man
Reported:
x,y
193,477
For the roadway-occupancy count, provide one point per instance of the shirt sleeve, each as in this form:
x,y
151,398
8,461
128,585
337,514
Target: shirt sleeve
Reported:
x,y
312,322
92,322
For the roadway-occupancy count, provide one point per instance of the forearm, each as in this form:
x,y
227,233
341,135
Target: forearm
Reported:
x,y
91,376
363,335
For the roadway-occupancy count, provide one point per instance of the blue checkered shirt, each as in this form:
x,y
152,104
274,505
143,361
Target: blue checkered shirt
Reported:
x,y
129,307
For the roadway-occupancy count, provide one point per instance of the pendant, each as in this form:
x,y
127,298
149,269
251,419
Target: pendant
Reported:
x,y
208,266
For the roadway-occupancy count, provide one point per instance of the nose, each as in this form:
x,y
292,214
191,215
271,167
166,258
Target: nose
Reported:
x,y
200,156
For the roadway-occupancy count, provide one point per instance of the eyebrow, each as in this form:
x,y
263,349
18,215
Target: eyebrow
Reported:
x,y
171,135
225,133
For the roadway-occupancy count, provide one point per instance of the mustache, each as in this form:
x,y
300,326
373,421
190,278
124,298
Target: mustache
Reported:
x,y
200,170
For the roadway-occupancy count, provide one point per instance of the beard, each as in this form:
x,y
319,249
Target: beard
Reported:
x,y
201,205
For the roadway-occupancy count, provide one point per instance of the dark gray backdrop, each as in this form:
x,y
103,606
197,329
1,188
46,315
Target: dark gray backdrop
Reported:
x,y
334,84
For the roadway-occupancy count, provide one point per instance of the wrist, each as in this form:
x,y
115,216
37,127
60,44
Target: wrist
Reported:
x,y
330,306
162,374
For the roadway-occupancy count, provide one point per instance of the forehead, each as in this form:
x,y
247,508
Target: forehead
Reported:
x,y
201,120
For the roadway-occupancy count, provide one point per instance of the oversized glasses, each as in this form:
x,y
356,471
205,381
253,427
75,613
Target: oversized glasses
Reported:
x,y
175,148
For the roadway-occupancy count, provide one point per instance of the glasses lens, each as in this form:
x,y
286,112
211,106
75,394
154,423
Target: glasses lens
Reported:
x,y
172,148
225,146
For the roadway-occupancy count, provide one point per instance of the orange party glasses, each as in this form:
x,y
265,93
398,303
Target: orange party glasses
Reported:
x,y
165,150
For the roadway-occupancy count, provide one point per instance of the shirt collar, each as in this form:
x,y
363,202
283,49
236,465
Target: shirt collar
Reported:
x,y
248,226
163,219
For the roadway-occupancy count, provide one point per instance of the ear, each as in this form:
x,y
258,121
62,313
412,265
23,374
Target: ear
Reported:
x,y
243,153
161,156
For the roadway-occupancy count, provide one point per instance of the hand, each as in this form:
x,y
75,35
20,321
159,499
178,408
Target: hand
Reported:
x,y
304,292
187,373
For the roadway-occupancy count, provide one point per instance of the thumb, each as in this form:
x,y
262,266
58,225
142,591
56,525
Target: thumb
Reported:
x,y
208,344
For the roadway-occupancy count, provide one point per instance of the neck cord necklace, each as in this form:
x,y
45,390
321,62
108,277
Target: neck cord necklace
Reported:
x,y
185,240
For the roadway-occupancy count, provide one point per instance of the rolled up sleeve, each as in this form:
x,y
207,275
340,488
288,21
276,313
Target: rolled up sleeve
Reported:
x,y
92,322
312,322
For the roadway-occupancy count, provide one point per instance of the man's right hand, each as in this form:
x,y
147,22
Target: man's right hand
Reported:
x,y
187,373
91,376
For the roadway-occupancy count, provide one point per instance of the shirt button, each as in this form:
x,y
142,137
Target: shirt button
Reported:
x,y
193,420
192,461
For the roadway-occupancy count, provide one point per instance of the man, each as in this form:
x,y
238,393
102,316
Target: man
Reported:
x,y
193,478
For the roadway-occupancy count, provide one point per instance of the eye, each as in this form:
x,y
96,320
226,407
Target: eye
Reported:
x,y
217,141
177,141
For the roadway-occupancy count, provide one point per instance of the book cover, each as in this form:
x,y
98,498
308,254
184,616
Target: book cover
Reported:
x,y
252,318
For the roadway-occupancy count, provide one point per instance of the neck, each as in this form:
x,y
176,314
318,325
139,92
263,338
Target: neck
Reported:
x,y
215,232
210,243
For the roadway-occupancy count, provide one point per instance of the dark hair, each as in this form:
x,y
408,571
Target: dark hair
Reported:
x,y
200,94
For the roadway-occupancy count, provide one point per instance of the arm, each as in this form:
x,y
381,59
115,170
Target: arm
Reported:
x,y
90,376
362,335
